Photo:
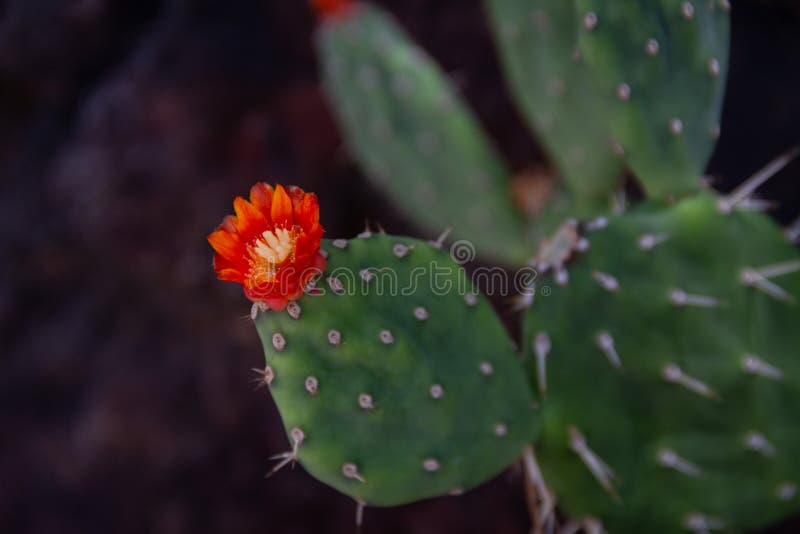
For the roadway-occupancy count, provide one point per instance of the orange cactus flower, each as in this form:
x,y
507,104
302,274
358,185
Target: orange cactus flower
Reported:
x,y
271,245
331,8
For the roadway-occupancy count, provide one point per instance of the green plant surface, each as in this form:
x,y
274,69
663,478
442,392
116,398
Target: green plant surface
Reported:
x,y
557,93
661,68
663,341
448,404
414,136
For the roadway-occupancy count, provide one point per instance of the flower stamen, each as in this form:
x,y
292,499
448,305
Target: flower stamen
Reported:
x,y
276,245
271,249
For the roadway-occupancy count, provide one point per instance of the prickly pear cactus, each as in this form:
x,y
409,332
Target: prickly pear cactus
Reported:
x,y
661,67
538,41
398,383
667,363
414,135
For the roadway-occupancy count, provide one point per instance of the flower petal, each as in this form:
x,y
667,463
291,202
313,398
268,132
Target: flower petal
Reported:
x,y
229,223
306,213
226,244
222,263
331,8
261,198
277,303
295,193
305,247
281,211
230,275
249,221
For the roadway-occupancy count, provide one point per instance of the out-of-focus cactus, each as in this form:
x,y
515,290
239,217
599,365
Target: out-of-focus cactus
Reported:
x,y
414,135
667,365
661,68
557,93
398,383
665,358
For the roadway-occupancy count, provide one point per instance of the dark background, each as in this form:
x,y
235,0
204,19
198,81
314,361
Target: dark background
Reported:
x,y
126,128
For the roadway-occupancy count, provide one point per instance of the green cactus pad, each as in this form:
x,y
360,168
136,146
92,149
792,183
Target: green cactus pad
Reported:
x,y
448,405
538,43
662,67
413,134
682,378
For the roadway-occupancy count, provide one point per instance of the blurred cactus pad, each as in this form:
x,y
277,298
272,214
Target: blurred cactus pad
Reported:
x,y
393,389
668,370
660,67
556,91
414,135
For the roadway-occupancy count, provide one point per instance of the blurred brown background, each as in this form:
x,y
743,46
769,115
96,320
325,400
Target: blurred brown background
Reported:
x,y
126,128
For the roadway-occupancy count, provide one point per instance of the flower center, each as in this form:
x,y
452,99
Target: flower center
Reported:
x,y
268,251
275,246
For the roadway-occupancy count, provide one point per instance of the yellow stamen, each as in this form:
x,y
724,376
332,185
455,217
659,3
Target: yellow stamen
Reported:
x,y
269,251
275,246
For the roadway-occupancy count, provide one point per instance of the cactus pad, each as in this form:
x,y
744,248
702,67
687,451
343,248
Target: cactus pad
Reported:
x,y
671,372
538,42
661,66
413,134
398,383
